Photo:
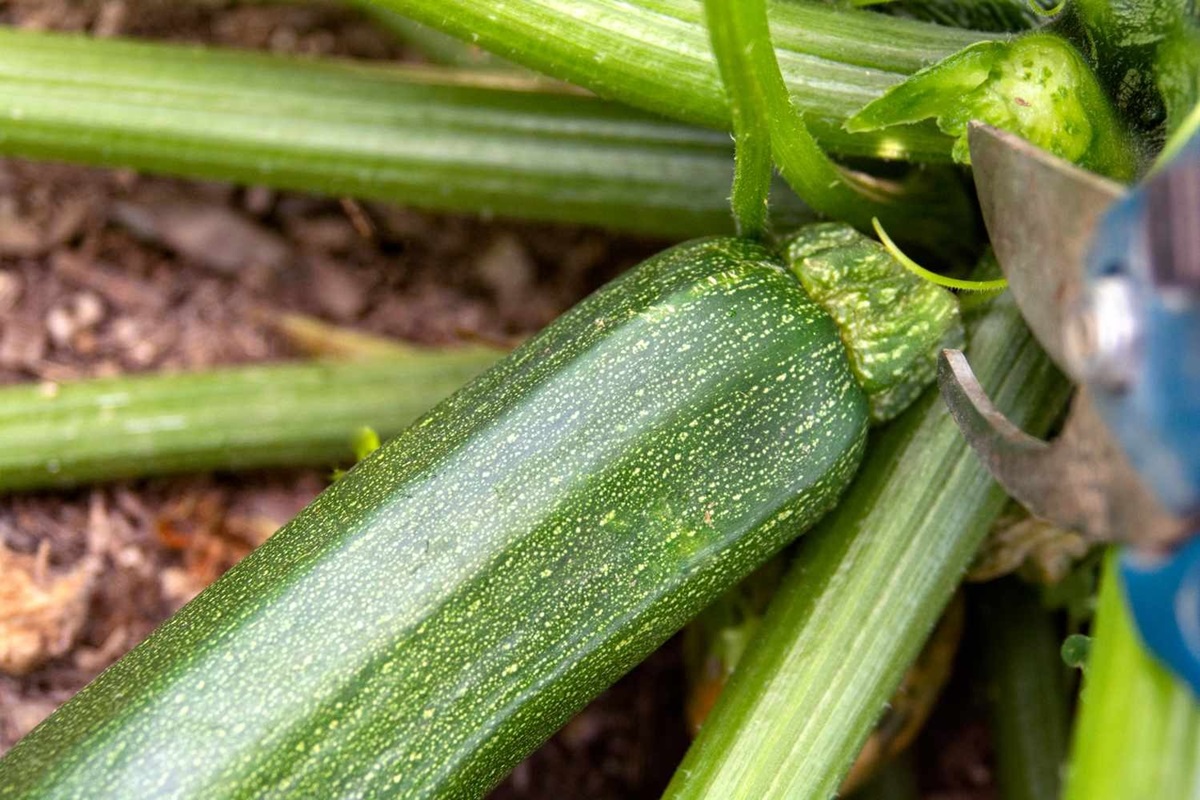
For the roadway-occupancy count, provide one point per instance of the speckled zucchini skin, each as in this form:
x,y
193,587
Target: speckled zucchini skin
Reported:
x,y
434,616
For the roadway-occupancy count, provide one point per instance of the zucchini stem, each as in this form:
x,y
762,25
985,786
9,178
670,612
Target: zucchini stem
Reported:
x,y
752,72
443,140
751,122
655,54
1137,733
283,415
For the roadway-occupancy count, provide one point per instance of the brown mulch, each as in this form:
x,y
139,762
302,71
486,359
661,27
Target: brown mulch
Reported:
x,y
106,272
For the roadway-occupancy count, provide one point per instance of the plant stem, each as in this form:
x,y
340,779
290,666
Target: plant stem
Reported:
x,y
655,54
281,415
866,589
1027,690
751,73
751,120
436,139
1138,729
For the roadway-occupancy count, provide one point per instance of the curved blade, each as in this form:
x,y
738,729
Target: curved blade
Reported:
x,y
1081,481
1040,213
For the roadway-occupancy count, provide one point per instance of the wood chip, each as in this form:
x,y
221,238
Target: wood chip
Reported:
x,y
67,321
119,289
10,291
212,236
336,289
40,613
22,343
19,238
507,269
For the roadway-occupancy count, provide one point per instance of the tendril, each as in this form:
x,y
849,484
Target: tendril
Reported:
x,y
941,280
1036,7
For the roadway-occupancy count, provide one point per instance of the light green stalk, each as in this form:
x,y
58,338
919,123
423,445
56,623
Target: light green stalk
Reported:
x,y
766,124
1027,691
751,121
655,54
55,435
1138,728
435,139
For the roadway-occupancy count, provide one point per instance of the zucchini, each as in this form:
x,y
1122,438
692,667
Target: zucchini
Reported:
x,y
435,615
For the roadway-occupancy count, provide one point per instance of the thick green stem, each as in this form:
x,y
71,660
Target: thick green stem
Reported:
x,y
436,139
1027,690
762,107
655,54
1138,729
281,415
751,121
866,590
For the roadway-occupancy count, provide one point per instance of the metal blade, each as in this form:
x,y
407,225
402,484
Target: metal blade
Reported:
x,y
1081,481
1040,213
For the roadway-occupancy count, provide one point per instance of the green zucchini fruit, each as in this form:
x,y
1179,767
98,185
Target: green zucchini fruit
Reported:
x,y
440,611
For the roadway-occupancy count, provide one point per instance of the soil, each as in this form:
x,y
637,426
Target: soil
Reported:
x,y
105,272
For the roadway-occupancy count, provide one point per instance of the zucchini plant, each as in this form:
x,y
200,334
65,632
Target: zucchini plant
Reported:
x,y
460,593
520,547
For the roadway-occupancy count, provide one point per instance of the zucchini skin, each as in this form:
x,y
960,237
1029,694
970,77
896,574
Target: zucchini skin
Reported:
x,y
434,616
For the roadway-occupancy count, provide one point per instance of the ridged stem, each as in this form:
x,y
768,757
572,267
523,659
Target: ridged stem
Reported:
x,y
281,415
1027,691
655,54
765,124
866,590
1138,729
751,121
437,139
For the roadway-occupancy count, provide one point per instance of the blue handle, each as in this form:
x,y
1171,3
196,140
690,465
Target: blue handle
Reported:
x,y
1148,241
1149,244
1164,597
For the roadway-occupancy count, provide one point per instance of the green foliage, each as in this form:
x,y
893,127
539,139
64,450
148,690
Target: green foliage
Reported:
x,y
1037,86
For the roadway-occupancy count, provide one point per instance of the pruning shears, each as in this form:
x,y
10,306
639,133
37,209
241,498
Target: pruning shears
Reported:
x,y
1108,280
